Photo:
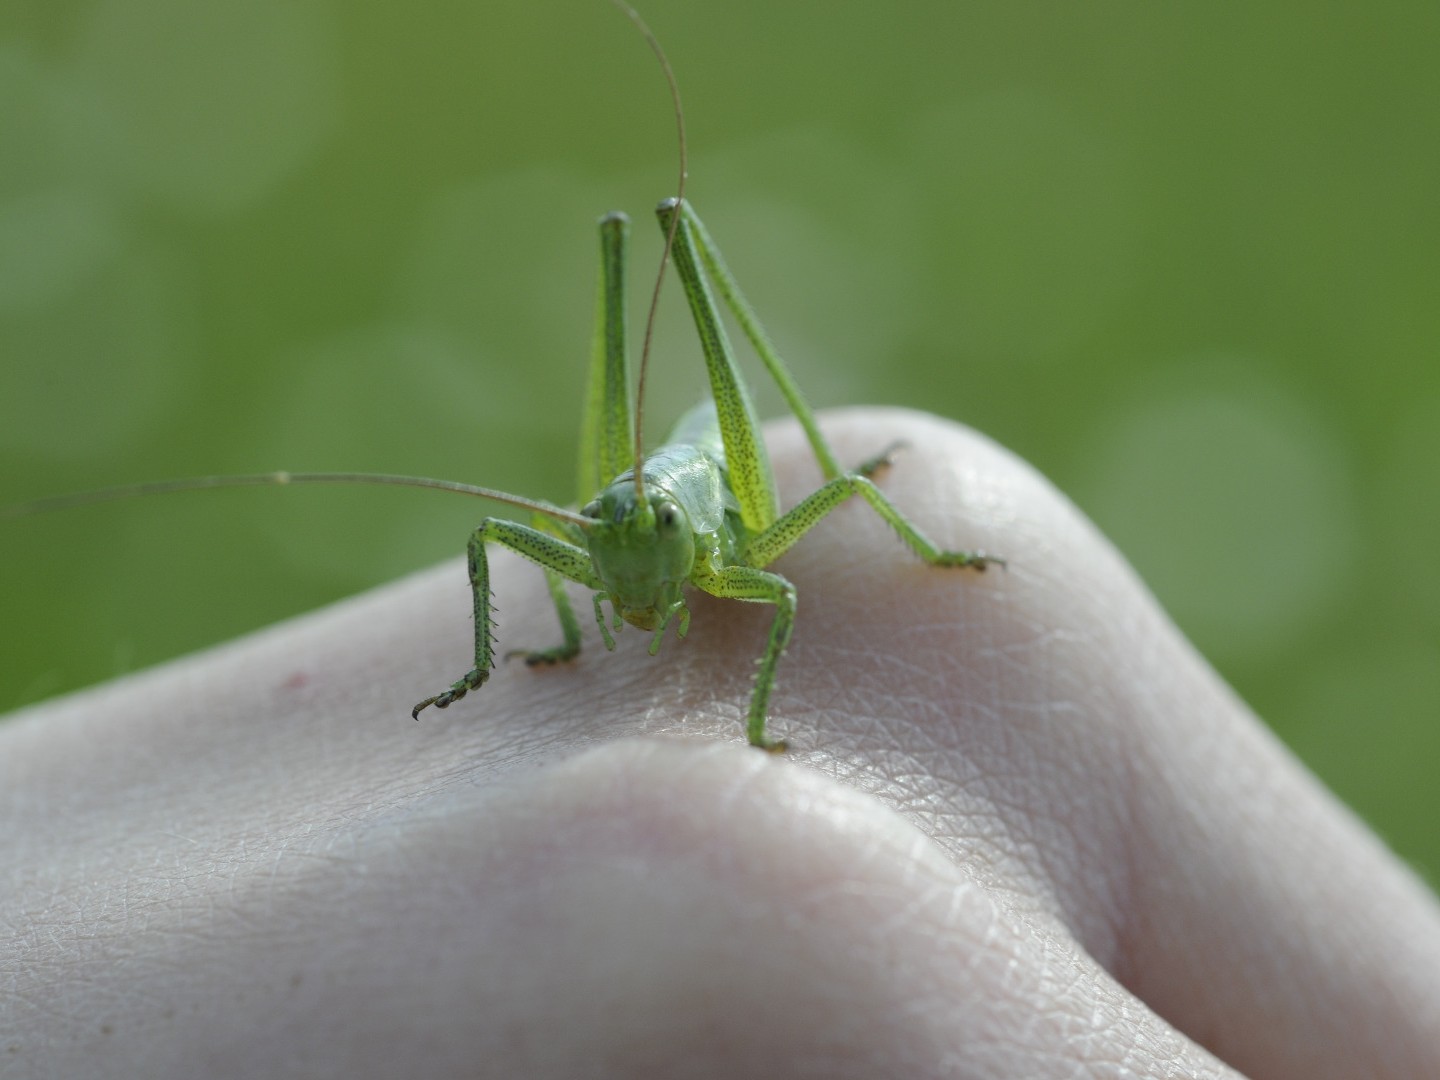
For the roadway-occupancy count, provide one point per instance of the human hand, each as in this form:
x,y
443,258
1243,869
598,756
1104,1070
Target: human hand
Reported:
x,y
1022,831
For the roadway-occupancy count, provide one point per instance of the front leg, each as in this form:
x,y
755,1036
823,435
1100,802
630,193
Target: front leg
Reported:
x,y
751,583
558,556
569,646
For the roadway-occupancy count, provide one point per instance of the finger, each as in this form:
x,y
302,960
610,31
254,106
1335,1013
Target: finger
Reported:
x,y
640,910
723,913
1051,724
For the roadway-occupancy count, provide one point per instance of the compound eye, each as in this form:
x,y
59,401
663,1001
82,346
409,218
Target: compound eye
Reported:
x,y
667,514
591,509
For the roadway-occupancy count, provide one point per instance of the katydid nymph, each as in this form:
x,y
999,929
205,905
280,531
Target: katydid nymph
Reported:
x,y
700,512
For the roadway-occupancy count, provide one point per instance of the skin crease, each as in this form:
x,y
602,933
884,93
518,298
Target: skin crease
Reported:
x,y
1023,831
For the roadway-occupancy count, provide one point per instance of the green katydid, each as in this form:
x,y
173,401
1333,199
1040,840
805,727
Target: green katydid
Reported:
x,y
701,511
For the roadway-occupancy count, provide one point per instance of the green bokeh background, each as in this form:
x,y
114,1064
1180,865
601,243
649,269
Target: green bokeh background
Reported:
x,y
1183,257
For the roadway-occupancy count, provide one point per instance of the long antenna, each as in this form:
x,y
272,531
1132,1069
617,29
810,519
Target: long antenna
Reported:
x,y
280,479
653,42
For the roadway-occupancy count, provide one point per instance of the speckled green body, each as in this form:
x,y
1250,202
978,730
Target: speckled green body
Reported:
x,y
704,511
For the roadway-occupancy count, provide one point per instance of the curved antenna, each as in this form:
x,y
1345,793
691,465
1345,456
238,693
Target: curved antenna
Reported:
x,y
280,479
650,39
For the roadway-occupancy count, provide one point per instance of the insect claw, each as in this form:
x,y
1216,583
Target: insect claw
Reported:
x,y
974,560
547,657
473,680
884,459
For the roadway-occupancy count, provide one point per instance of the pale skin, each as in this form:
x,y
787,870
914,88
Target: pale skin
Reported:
x,y
1022,831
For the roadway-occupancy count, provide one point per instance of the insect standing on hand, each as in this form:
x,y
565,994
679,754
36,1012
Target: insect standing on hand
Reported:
x,y
700,511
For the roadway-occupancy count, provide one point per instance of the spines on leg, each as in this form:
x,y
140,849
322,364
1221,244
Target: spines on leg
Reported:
x,y
539,546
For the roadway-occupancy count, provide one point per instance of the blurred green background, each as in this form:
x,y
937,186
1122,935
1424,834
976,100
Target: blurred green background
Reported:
x,y
1183,257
